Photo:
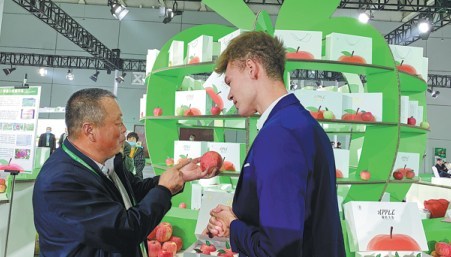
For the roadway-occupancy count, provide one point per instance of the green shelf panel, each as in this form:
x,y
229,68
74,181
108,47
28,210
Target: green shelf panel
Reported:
x,y
364,192
436,231
398,190
363,69
160,138
183,224
358,181
183,70
411,83
407,129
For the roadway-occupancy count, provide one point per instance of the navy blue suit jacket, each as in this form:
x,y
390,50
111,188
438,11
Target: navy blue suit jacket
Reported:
x,y
286,200
78,212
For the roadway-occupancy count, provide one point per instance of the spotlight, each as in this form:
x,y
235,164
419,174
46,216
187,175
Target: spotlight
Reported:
x,y
120,78
94,76
364,17
70,75
170,13
424,28
430,90
8,71
42,72
117,10
435,94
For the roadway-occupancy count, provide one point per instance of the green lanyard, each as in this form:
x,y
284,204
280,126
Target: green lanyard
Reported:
x,y
79,160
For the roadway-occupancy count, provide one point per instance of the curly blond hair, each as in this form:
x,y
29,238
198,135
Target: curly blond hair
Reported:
x,y
258,46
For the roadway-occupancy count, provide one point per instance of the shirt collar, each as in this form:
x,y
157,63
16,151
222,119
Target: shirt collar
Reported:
x,y
266,113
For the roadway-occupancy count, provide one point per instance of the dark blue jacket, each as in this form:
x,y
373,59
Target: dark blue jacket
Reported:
x,y
79,212
286,200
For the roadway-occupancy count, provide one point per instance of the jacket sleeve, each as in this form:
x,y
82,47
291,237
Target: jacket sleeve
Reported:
x,y
281,173
139,159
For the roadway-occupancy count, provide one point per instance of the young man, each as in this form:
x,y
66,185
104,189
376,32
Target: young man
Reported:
x,y
285,202
84,203
136,153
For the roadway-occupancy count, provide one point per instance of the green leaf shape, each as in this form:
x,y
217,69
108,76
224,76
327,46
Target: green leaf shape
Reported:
x,y
183,156
2,161
207,243
350,111
379,255
396,254
419,255
235,11
312,109
263,23
346,53
221,251
197,250
290,50
215,89
227,242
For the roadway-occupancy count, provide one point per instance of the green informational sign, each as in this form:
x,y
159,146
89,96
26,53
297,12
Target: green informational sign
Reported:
x,y
440,153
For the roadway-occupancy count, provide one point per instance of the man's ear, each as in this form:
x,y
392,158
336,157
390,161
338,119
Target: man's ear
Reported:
x,y
253,68
88,131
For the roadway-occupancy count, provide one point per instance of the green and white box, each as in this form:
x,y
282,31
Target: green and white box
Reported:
x,y
231,152
342,161
368,102
218,91
150,60
142,106
349,48
410,57
413,109
384,226
420,111
404,115
408,160
189,149
312,100
225,40
176,53
301,44
425,71
200,50
190,103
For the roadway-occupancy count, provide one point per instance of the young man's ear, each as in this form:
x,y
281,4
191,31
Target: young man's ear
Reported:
x,y
253,68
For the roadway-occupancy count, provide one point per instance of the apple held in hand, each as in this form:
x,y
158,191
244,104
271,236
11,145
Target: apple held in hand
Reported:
x,y
157,111
393,242
365,175
211,161
169,161
411,121
350,57
153,247
398,175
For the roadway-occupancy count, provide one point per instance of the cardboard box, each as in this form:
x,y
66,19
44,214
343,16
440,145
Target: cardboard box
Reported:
x,y
368,102
142,106
312,100
425,71
189,103
409,160
231,152
342,161
404,115
210,200
413,109
200,50
225,40
349,48
150,60
369,225
218,92
408,58
189,149
419,116
176,53
301,44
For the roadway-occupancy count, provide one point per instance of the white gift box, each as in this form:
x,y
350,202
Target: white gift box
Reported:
x,y
408,160
225,40
349,48
368,102
200,50
176,53
419,117
312,100
301,44
342,161
425,71
150,60
189,149
189,103
413,109
373,226
218,91
210,200
404,115
231,152
410,57
142,106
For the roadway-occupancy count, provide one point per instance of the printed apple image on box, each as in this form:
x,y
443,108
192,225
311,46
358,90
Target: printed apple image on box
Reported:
x,y
232,153
215,245
192,103
188,149
200,50
406,166
408,59
321,104
176,53
218,92
349,48
225,40
362,107
384,227
301,45
341,162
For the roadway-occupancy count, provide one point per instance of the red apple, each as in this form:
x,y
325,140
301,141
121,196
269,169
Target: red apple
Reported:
x,y
398,175
317,114
11,167
194,59
170,247
215,110
207,248
227,166
406,68
225,253
152,235
2,188
365,175
300,55
215,97
164,232
178,241
404,170
367,116
163,253
2,181
350,57
182,205
443,249
410,174
192,112
352,116
338,173
169,161
157,111
211,160
393,242
411,121
153,247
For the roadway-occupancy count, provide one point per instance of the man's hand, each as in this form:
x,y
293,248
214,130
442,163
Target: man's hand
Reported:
x,y
191,171
172,178
219,223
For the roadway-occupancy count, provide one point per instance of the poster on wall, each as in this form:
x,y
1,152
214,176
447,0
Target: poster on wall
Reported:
x,y
439,152
18,122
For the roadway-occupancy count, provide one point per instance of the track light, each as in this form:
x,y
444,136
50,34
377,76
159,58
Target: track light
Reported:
x,y
170,13
364,17
94,76
117,10
434,93
120,78
8,71
42,72
70,75
424,28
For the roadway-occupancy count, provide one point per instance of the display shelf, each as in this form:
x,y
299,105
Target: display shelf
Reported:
x,y
413,129
326,65
353,181
186,69
202,117
432,184
404,181
411,83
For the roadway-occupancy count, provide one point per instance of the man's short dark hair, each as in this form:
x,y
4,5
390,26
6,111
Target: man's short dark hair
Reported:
x,y
133,134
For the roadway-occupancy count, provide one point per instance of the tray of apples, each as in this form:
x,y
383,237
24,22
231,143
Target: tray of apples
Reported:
x,y
162,243
204,248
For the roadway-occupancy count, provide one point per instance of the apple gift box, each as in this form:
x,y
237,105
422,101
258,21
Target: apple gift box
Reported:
x,y
225,40
200,50
233,154
312,100
349,48
218,92
176,53
383,227
407,160
404,114
189,149
341,157
368,102
189,103
409,59
210,200
301,44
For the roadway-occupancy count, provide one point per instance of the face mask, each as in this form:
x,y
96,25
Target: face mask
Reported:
x,y
48,131
132,143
